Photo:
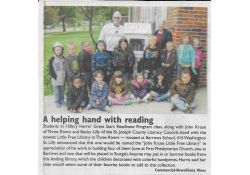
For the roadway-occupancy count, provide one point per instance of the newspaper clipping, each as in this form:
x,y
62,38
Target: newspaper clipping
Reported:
x,y
124,88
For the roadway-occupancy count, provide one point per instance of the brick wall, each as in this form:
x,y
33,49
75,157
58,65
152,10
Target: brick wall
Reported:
x,y
192,20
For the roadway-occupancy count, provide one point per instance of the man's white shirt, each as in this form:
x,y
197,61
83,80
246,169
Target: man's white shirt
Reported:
x,y
111,35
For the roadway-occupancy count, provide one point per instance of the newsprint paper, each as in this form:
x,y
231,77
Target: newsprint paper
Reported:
x,y
124,87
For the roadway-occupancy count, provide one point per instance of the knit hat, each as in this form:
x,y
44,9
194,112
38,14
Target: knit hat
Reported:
x,y
58,44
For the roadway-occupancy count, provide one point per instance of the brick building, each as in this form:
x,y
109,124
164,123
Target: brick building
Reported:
x,y
179,20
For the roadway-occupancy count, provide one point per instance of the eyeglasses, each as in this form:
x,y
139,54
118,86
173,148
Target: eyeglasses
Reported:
x,y
116,17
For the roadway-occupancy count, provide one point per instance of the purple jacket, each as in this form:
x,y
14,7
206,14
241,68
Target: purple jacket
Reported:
x,y
140,89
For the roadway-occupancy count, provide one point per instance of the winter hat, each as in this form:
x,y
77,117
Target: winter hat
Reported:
x,y
58,44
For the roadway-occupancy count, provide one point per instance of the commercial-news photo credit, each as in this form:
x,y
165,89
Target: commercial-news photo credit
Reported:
x,y
125,60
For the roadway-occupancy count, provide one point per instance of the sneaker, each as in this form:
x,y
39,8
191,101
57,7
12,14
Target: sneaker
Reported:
x,y
110,104
128,102
79,110
145,100
89,107
107,109
185,110
190,111
174,107
63,103
58,105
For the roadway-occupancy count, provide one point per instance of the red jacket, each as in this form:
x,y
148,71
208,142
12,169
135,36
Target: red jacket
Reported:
x,y
198,58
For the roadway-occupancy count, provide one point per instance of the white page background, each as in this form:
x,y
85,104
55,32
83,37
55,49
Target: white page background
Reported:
x,y
230,88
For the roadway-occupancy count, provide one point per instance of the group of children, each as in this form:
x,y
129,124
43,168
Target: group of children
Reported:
x,y
101,79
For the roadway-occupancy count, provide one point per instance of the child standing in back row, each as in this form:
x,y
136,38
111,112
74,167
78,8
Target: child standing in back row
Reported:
x,y
101,61
84,59
186,56
168,60
57,73
198,60
151,59
72,65
124,59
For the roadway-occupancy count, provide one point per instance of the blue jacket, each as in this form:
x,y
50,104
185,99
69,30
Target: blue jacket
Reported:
x,y
101,60
98,92
186,55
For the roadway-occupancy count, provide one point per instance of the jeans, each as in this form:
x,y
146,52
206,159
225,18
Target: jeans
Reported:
x,y
84,104
160,97
127,76
179,102
69,82
59,95
87,79
101,106
196,78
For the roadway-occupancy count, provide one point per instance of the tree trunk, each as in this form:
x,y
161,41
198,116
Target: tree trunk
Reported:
x,y
63,23
111,13
90,26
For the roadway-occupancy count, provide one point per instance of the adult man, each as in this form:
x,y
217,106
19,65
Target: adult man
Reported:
x,y
112,32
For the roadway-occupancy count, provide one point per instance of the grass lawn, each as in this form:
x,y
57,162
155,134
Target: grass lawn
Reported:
x,y
64,38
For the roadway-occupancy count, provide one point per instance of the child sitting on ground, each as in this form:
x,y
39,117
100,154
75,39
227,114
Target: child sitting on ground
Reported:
x,y
151,59
84,59
168,60
186,56
118,90
77,96
124,58
159,90
183,93
72,65
99,93
58,73
198,60
140,89
101,60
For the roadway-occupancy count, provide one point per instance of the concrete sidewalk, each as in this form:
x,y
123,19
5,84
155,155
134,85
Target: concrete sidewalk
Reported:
x,y
149,108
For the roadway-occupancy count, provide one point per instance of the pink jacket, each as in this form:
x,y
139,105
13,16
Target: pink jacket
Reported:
x,y
198,58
